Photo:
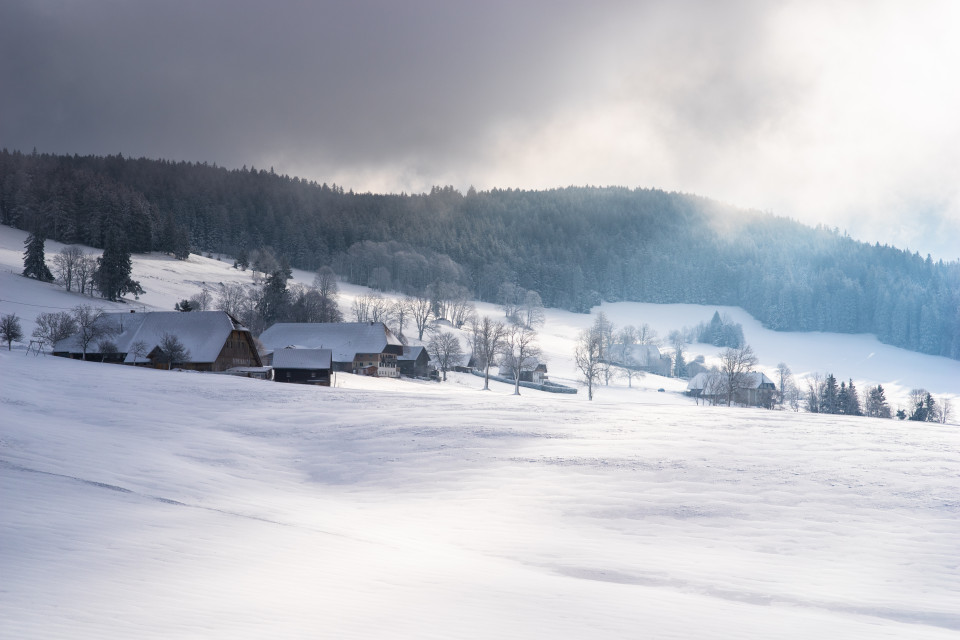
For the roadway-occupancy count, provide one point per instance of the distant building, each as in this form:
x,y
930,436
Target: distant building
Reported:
x,y
214,340
753,389
532,371
641,357
365,348
304,366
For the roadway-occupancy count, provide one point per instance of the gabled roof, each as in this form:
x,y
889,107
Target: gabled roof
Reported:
x,y
302,358
412,353
702,380
203,333
344,339
756,380
638,355
751,380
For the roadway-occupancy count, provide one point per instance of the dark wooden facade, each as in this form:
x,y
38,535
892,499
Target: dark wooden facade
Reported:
x,y
415,362
319,377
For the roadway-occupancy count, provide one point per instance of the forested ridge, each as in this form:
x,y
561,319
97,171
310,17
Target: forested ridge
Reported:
x,y
575,246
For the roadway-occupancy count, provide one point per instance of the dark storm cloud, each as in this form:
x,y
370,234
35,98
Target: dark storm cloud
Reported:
x,y
808,108
228,80
353,83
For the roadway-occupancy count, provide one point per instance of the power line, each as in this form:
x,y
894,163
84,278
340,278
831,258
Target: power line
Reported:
x,y
27,304
47,306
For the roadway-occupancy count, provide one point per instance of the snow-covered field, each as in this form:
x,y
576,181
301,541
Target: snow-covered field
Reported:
x,y
140,503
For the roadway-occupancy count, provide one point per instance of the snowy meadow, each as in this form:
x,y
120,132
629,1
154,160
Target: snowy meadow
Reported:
x,y
143,503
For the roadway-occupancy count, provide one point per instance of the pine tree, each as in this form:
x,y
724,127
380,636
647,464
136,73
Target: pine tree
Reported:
x,y
828,399
852,404
34,262
114,268
877,406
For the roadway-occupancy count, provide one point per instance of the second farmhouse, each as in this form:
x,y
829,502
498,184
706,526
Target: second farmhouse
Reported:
x,y
365,348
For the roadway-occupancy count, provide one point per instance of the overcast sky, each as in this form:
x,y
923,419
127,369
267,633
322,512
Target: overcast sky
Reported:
x,y
842,113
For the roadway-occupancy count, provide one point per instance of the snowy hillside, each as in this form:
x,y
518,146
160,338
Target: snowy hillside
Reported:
x,y
860,357
155,504
141,503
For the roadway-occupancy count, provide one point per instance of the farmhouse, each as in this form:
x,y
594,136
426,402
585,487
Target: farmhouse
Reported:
x,y
366,348
213,340
531,371
641,357
752,389
304,366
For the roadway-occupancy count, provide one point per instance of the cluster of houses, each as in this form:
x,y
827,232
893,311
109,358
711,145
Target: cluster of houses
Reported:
x,y
214,341
310,353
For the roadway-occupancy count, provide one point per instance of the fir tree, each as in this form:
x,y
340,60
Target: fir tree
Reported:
x,y
851,405
34,261
876,403
114,268
828,400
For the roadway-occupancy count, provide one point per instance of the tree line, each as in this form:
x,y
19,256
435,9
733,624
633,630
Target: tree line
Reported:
x,y
573,247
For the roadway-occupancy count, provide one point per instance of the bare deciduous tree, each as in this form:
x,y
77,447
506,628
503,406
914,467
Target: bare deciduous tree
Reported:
x,y
519,352
735,364
65,266
90,326
84,271
646,335
605,332
445,348
511,299
370,307
232,298
627,337
173,350
399,314
587,357
420,311
325,282
140,351
784,383
54,327
202,301
531,311
488,336
10,329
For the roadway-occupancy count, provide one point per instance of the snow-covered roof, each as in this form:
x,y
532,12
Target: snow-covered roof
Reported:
x,y
344,339
700,381
638,355
412,353
203,333
302,358
706,379
756,379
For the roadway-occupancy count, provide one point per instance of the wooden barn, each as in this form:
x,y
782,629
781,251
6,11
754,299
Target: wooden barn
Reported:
x,y
303,366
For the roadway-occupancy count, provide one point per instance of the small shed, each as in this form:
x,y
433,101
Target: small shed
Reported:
x,y
303,366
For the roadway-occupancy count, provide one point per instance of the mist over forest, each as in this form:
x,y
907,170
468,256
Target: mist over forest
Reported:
x,y
576,246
